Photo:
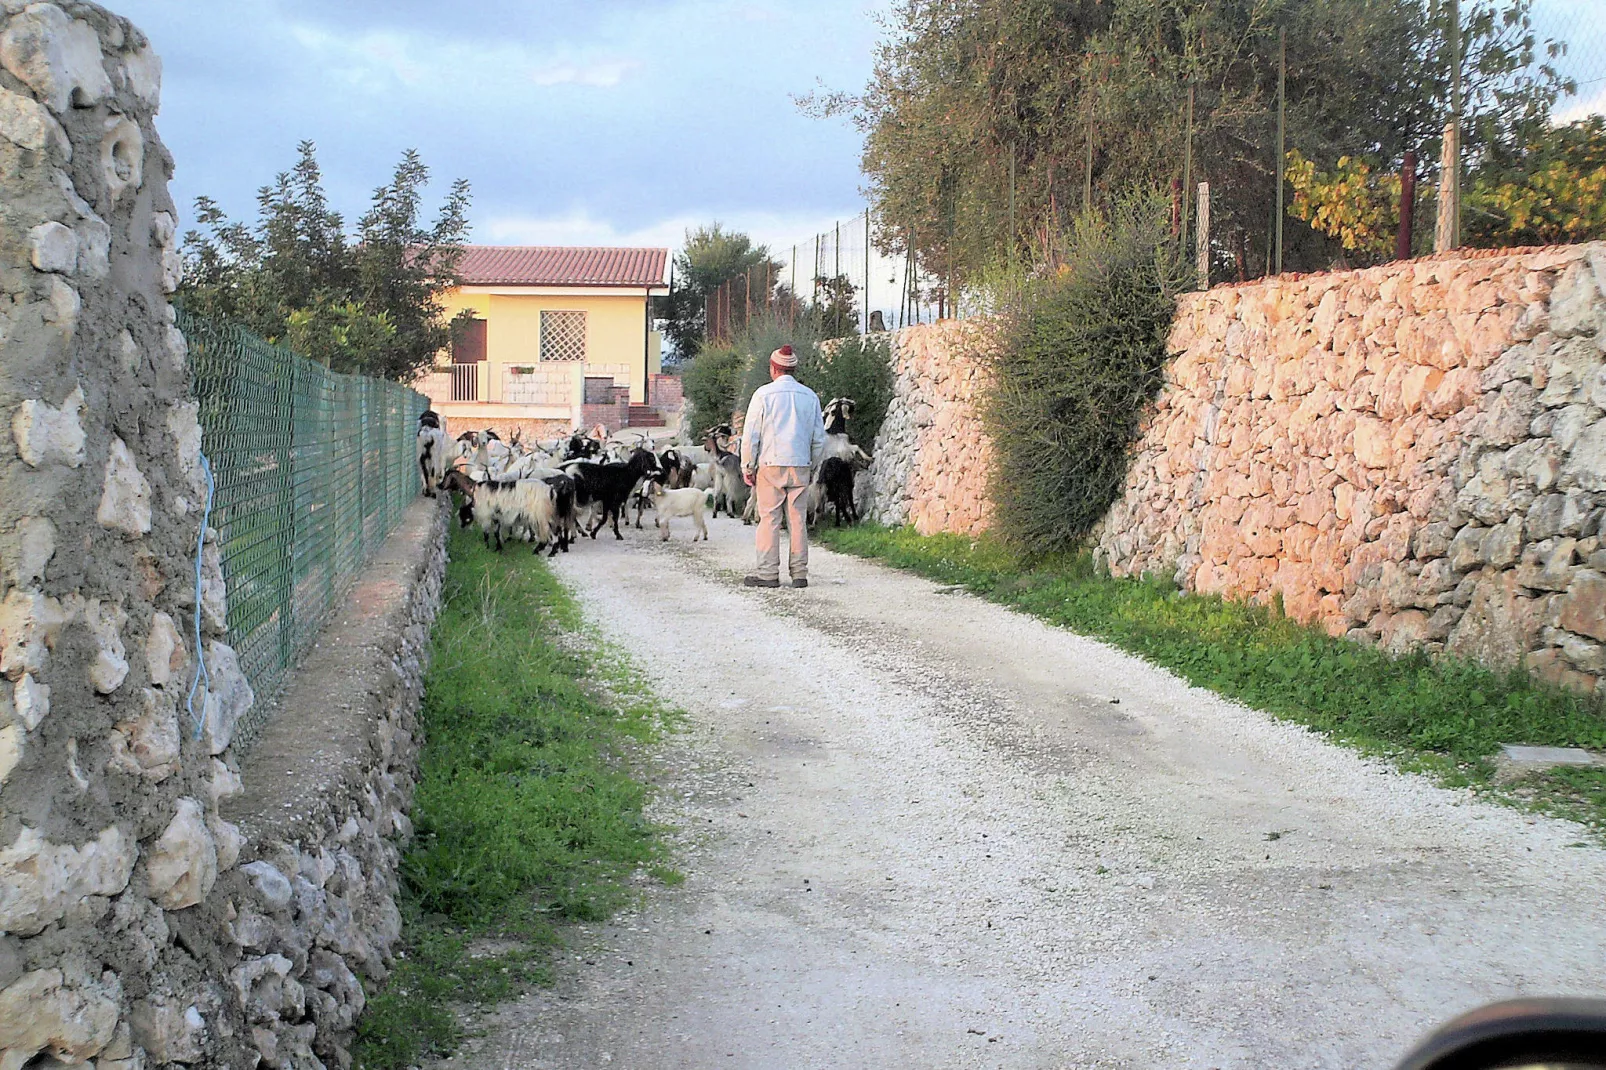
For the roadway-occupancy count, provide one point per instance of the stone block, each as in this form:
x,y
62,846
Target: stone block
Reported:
x,y
53,247
59,58
45,434
125,501
1582,609
40,881
45,1012
29,125
182,865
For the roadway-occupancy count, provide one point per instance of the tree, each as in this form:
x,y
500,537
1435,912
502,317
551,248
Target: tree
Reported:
x,y
1069,94
370,305
1551,188
711,256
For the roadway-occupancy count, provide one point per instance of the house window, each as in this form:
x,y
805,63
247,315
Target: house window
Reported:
x,y
563,336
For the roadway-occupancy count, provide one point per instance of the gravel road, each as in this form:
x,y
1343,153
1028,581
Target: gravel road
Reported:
x,y
920,830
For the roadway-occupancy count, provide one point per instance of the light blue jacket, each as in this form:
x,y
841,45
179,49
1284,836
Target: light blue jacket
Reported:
x,y
784,427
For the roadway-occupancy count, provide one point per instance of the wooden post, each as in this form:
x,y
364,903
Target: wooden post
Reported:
x,y
1402,238
1447,234
1202,236
1282,109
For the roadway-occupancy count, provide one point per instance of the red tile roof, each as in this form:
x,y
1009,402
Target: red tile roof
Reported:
x,y
561,265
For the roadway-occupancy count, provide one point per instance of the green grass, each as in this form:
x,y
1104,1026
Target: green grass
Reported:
x,y
526,814
1441,715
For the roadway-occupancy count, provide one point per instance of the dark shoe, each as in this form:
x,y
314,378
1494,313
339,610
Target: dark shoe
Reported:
x,y
759,581
800,583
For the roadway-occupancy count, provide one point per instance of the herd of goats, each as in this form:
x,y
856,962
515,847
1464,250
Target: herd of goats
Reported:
x,y
550,492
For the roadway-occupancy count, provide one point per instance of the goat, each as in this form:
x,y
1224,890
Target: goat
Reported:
x,y
563,505
835,481
580,448
522,508
677,468
729,487
837,444
433,446
684,501
837,413
608,486
459,481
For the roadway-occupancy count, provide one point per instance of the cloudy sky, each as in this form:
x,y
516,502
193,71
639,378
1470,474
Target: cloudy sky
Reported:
x,y
576,121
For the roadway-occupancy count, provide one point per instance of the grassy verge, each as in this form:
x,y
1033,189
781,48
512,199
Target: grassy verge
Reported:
x,y
1441,715
526,816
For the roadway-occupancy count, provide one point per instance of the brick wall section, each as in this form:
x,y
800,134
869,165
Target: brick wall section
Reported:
x,y
1413,455
666,393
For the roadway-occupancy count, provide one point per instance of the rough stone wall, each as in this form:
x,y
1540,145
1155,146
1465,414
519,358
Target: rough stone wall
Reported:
x,y
1413,454
126,934
931,457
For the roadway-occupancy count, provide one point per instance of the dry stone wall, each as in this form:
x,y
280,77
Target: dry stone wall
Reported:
x,y
130,934
931,457
1413,455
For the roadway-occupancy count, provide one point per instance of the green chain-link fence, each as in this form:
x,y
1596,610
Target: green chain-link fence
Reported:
x,y
312,470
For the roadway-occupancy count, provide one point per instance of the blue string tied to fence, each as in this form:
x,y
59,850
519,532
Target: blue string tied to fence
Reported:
x,y
200,658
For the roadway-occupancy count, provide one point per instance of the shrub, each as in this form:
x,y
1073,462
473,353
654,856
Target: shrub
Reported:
x,y
1081,360
712,380
722,377
858,368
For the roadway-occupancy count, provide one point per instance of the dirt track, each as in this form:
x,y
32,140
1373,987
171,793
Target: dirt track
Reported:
x,y
923,831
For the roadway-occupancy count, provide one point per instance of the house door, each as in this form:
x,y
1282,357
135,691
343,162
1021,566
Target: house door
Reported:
x,y
468,352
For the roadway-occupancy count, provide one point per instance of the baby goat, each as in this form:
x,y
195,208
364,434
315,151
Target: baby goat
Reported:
x,y
684,501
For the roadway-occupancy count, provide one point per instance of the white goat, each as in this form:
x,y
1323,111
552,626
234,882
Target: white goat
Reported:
x,y
687,501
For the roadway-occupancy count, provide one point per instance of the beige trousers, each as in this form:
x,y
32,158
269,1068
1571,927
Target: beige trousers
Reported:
x,y
782,489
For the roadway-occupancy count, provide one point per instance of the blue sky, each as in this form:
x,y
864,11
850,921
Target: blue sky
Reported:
x,y
587,121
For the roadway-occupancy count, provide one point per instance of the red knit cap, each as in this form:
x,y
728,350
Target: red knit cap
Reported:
x,y
784,357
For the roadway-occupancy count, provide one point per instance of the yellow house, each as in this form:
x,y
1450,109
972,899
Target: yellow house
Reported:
x,y
560,337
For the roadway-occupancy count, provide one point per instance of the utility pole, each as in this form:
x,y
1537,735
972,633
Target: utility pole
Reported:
x,y
1282,119
867,271
1447,235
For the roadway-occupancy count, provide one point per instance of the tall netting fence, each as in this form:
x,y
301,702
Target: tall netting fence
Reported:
x,y
851,274
312,470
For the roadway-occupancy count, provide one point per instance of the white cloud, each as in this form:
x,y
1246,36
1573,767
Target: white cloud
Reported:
x,y
601,75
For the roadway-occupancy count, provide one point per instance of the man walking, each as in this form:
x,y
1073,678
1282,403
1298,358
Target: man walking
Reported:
x,y
782,443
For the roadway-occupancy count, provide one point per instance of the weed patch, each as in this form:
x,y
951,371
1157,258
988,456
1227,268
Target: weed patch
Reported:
x,y
1439,715
526,814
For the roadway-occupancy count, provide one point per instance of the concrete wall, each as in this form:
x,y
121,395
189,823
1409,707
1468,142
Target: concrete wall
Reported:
x,y
1413,454
130,933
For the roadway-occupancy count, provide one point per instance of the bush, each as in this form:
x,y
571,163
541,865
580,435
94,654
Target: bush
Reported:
x,y
1082,359
722,377
712,380
858,368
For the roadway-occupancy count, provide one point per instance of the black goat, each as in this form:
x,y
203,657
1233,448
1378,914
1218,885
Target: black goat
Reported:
x,y
609,485
581,448
677,469
563,500
836,477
